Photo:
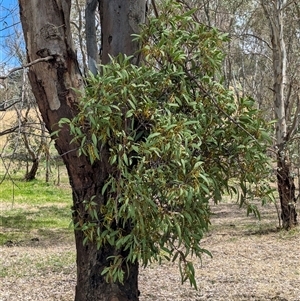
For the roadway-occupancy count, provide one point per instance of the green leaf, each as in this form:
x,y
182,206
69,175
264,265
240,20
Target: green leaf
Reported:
x,y
64,120
94,139
105,186
168,144
132,105
153,135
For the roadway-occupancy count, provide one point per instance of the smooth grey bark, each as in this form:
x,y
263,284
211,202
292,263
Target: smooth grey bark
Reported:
x,y
91,35
119,20
274,11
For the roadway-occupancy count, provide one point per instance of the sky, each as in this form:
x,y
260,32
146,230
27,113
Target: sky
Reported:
x,y
9,23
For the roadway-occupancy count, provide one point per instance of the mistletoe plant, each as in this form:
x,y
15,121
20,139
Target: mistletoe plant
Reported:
x,y
177,138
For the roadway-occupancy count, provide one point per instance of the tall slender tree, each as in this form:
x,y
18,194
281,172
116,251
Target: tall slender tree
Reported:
x,y
274,12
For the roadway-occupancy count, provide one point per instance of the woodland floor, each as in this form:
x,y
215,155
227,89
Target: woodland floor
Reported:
x,y
251,261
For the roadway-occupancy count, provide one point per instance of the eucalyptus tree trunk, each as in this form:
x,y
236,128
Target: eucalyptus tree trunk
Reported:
x,y
46,27
91,35
274,11
119,20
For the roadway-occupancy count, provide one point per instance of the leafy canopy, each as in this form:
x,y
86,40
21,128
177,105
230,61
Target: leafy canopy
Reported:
x,y
177,138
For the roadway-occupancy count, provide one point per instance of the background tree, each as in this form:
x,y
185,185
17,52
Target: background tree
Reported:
x,y
263,61
26,137
270,76
282,91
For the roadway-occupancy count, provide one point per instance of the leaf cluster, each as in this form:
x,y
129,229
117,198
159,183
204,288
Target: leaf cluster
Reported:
x,y
177,140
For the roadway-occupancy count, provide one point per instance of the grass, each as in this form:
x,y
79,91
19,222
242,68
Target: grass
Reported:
x,y
33,209
36,192
27,265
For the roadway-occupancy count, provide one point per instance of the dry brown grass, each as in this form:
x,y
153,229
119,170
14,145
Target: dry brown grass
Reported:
x,y
9,118
251,261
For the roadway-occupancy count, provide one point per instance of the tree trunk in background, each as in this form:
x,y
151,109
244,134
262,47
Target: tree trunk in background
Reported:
x,y
46,28
30,175
287,192
285,182
79,29
35,159
119,20
91,37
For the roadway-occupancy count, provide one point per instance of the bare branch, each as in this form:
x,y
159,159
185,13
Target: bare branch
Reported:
x,y
9,131
253,36
75,25
45,59
287,3
3,108
294,126
154,8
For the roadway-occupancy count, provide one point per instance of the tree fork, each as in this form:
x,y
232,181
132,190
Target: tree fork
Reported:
x,y
46,27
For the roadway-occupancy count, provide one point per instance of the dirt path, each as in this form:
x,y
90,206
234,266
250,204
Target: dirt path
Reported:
x,y
251,261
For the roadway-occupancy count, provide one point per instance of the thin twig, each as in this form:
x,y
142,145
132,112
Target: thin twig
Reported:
x,y
44,59
3,108
9,131
154,8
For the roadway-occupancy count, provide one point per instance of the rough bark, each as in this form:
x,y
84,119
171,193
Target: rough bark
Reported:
x,y
46,28
286,188
287,194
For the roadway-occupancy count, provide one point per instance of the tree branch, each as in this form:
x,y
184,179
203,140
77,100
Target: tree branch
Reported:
x,y
287,3
254,36
3,108
8,131
294,126
154,8
45,59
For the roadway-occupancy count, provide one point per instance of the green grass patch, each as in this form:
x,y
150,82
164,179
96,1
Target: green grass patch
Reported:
x,y
30,209
36,192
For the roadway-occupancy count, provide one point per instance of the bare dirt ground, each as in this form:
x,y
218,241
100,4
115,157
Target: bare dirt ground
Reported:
x,y
251,261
